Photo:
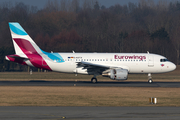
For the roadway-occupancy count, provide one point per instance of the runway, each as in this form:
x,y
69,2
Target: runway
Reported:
x,y
90,113
88,83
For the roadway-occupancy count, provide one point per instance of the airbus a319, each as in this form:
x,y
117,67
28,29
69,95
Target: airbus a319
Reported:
x,y
116,66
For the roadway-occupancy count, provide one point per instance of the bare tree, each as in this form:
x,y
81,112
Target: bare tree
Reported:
x,y
52,5
88,4
75,7
162,5
151,3
142,3
63,5
175,37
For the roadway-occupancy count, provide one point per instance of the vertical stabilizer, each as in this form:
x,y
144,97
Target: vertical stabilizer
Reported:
x,y
23,44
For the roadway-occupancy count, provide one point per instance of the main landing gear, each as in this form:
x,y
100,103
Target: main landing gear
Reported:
x,y
150,78
94,80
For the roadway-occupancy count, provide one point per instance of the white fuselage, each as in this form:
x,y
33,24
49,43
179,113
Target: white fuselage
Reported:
x,y
133,62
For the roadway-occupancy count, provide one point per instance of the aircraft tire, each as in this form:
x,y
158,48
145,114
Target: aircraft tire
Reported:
x,y
150,81
94,80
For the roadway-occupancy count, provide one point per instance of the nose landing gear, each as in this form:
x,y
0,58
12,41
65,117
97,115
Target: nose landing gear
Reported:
x,y
150,78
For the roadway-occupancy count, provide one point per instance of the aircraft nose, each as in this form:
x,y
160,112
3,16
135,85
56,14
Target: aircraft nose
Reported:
x,y
173,66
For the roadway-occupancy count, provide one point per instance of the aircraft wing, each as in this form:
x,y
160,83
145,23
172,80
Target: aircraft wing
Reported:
x,y
93,68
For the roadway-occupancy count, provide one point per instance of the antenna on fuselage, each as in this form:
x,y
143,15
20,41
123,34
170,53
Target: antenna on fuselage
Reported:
x,y
73,51
148,52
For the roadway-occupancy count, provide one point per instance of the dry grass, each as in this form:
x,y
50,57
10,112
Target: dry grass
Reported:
x,y
87,96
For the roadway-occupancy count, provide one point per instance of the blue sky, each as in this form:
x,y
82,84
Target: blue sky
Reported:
x,y
107,3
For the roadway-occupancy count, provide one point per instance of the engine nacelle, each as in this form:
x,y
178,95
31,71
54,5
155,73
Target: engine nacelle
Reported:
x,y
117,74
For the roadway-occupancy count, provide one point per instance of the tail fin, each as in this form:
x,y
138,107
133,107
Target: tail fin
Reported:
x,y
25,48
23,44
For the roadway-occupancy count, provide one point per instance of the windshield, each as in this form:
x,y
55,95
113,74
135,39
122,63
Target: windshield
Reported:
x,y
163,60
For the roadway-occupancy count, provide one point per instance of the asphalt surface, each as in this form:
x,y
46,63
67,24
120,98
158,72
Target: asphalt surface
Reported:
x,y
90,113
88,83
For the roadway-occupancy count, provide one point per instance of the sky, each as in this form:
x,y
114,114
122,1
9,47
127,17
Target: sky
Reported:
x,y
41,3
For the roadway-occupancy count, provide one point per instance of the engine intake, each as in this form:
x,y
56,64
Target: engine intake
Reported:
x,y
117,74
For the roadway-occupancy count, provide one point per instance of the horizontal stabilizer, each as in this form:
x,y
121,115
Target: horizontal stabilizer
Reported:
x,y
16,57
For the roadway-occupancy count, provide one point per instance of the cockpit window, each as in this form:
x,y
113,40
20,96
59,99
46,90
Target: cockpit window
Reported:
x,y
163,60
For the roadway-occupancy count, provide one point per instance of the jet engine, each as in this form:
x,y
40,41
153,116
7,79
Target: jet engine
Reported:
x,y
116,74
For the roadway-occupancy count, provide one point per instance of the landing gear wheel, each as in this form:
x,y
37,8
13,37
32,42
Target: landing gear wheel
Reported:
x,y
150,81
94,80
150,78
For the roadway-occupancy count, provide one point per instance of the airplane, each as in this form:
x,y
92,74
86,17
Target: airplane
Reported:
x,y
116,66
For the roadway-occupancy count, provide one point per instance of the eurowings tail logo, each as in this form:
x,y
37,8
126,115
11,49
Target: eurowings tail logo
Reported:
x,y
25,47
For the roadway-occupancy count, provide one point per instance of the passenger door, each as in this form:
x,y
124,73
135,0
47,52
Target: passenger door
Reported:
x,y
150,61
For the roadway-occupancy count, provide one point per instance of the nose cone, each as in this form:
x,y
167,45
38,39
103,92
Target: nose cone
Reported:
x,y
173,66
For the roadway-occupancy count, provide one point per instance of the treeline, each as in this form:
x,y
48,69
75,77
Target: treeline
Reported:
x,y
66,25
